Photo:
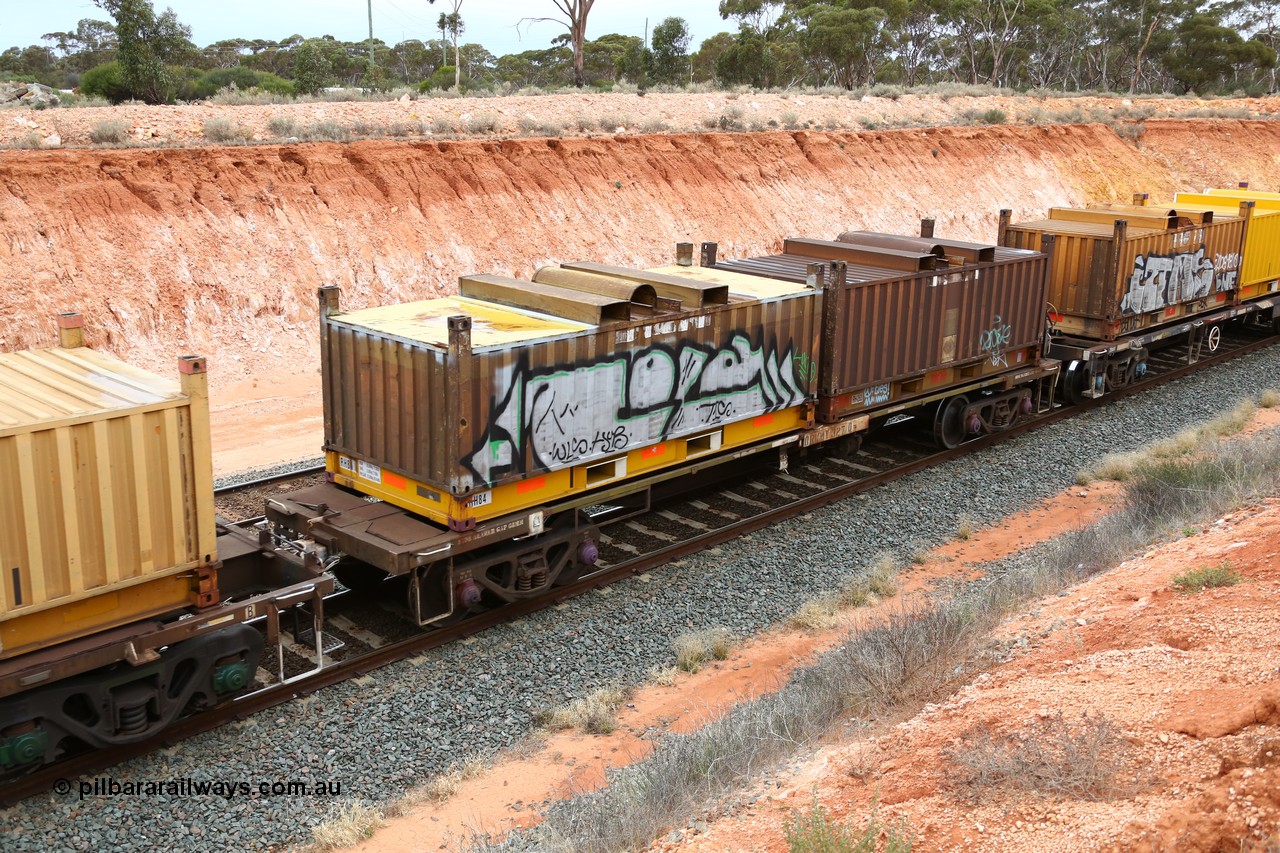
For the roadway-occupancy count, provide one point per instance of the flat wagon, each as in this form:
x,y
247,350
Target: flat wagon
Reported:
x,y
1125,278
123,602
500,428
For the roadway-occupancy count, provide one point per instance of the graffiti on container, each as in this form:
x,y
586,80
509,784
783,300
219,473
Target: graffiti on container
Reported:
x,y
995,340
575,413
806,368
1158,281
876,394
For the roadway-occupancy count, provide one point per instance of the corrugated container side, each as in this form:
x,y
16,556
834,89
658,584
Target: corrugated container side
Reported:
x,y
1262,249
1170,268
899,327
1079,262
103,503
556,403
1262,235
1100,291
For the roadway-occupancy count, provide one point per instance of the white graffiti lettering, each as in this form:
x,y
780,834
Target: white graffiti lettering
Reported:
x,y
995,340
876,394
1158,281
558,417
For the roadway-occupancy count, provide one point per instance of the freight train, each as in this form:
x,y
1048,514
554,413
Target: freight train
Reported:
x,y
476,445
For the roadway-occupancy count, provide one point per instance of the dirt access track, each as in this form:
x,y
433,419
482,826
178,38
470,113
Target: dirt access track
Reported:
x,y
219,250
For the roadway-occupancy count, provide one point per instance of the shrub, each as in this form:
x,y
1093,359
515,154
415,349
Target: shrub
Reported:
x,y
282,126
1083,760
527,124
111,131
483,123
1208,577
326,130
790,120
1270,398
238,78
221,129
814,832
728,122
104,81
441,125
612,123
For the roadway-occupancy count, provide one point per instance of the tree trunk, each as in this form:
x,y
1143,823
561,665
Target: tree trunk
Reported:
x,y
1137,65
457,63
577,34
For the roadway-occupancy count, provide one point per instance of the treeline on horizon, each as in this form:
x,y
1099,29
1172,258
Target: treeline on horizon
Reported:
x,y
1134,46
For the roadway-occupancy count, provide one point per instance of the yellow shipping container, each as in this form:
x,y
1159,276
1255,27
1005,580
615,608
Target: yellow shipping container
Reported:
x,y
1260,270
106,514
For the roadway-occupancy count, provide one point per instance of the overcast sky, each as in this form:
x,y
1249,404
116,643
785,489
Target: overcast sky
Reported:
x,y
492,23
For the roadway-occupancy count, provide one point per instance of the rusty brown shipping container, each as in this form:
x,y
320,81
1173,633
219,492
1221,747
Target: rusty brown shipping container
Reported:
x,y
1115,272
919,322
462,410
107,515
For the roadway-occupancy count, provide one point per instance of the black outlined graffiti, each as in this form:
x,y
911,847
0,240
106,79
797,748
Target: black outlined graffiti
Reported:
x,y
1158,281
576,413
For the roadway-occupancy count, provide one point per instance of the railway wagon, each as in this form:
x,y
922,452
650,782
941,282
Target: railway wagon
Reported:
x,y
912,322
113,520
489,423
1260,266
112,619
1127,278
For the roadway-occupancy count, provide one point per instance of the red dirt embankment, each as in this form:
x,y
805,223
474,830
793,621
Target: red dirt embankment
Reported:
x,y
220,250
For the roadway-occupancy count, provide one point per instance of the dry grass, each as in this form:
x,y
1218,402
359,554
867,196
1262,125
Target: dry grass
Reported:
x,y
664,676
1122,466
443,786
696,648
594,714
351,824
1086,760
882,579
1270,398
818,614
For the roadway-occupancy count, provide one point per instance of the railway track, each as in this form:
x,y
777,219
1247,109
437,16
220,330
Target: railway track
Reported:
x,y
369,630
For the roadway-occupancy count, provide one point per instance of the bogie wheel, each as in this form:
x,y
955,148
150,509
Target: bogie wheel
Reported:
x,y
1075,382
948,423
1213,338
